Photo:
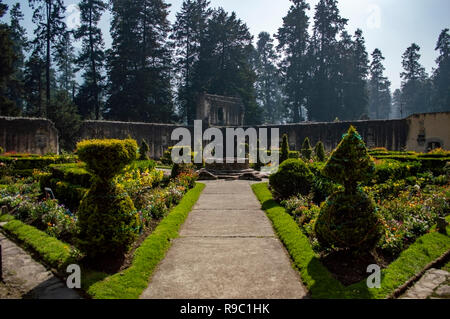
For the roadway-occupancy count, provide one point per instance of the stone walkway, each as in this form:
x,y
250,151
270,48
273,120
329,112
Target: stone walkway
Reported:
x,y
434,284
25,278
227,249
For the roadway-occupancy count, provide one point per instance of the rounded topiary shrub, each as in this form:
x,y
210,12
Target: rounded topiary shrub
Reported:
x,y
348,221
107,219
292,178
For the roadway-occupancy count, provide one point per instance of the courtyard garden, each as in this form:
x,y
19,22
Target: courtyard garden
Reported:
x,y
106,208
340,212
110,209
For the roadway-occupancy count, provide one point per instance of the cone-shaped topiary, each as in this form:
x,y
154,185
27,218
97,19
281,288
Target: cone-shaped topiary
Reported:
x,y
292,178
107,219
348,218
350,162
284,152
320,151
306,149
143,150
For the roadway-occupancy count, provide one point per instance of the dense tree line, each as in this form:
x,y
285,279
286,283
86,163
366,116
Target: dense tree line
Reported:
x,y
155,71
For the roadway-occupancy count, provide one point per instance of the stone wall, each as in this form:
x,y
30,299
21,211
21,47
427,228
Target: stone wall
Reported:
x,y
156,135
391,134
429,130
416,133
28,135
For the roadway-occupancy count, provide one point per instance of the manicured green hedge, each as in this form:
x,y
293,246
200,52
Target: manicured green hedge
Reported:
x,y
130,283
50,250
427,163
31,162
319,280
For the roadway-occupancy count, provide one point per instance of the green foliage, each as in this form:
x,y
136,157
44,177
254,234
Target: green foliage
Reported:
x,y
294,154
143,151
321,283
18,164
73,173
130,283
292,178
107,220
319,150
177,169
306,149
392,169
348,221
1,150
106,217
107,158
350,163
322,186
53,252
284,152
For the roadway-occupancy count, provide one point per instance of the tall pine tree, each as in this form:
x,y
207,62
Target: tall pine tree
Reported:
x,y
293,43
225,63
324,103
139,63
441,76
48,15
91,59
20,48
268,89
188,33
415,83
379,88
354,71
7,60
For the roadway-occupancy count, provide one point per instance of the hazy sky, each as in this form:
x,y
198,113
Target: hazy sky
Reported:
x,y
390,25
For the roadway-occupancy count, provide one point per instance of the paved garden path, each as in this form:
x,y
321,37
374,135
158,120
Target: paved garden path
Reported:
x,y
227,249
434,284
26,278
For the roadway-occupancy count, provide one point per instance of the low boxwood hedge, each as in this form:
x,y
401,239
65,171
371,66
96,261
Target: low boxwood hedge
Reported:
x,y
50,250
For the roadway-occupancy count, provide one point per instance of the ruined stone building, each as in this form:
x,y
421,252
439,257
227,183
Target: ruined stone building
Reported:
x,y
216,110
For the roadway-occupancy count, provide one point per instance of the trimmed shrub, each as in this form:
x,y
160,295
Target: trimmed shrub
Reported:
x,y
143,151
350,162
319,150
348,218
292,178
306,149
24,164
284,152
322,186
107,218
107,158
348,221
294,154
